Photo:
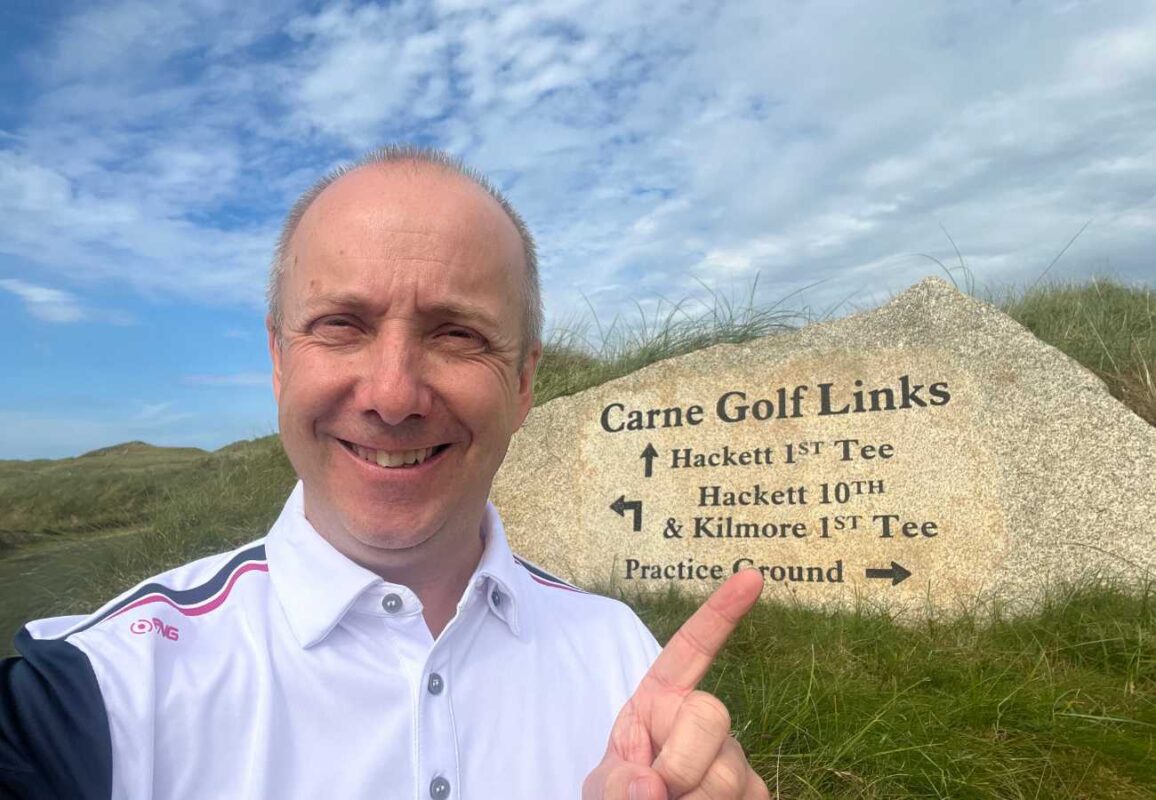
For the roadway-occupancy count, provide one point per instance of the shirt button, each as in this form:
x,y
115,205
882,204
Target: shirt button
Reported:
x,y
496,597
436,684
391,603
439,788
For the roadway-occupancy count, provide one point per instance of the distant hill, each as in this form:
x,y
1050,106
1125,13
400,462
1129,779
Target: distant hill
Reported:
x,y
107,488
1109,328
247,446
849,705
137,448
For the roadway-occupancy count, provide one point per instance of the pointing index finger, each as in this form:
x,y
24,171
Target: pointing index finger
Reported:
x,y
693,648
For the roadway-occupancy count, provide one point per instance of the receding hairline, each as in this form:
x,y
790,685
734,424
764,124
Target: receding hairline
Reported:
x,y
415,160
431,180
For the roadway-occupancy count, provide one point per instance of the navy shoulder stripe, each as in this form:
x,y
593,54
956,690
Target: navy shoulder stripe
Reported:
x,y
190,602
545,578
54,734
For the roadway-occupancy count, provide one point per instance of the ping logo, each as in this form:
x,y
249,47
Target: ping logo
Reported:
x,y
143,626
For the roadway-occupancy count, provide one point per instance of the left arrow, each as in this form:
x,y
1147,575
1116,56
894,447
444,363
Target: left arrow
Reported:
x,y
622,505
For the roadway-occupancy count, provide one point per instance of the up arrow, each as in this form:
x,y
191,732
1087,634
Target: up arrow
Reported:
x,y
649,454
622,505
897,574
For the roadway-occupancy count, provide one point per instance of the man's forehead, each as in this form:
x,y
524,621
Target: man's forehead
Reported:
x,y
407,210
411,217
408,198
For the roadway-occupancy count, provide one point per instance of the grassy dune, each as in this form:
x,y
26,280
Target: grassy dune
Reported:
x,y
1057,704
105,489
1109,328
1060,704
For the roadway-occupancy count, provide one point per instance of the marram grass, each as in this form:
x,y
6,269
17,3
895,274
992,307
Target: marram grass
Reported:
x,y
1107,327
1059,703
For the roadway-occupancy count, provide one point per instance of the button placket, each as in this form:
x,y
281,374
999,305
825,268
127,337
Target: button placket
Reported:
x,y
438,743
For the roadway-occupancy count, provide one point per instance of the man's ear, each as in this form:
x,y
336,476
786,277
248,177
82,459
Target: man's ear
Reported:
x,y
526,383
275,355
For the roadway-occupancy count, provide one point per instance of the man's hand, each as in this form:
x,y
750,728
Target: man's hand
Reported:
x,y
672,741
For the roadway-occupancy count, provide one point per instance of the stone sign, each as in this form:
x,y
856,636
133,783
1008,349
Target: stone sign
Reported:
x,y
929,454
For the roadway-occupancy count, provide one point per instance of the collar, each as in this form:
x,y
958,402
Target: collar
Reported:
x,y
498,575
317,585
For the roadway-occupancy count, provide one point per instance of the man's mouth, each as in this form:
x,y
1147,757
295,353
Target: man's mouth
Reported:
x,y
393,459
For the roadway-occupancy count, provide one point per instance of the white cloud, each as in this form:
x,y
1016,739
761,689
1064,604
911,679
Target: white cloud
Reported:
x,y
132,238
361,69
657,149
1116,57
157,415
651,145
42,302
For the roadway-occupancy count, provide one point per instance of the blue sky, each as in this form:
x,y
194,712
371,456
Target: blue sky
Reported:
x,y
657,149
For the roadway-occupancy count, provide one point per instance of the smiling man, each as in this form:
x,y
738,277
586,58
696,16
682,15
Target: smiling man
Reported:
x,y
381,641
402,365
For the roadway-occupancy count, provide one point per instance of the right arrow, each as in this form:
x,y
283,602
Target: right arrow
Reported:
x,y
649,454
897,573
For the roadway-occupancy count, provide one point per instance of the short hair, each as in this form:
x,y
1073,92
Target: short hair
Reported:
x,y
400,154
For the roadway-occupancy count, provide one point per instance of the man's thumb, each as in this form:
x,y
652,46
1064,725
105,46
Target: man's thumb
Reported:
x,y
621,780
646,787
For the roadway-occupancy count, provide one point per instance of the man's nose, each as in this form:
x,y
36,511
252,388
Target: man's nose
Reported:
x,y
395,386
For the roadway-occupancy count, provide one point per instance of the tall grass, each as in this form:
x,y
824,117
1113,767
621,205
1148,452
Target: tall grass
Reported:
x,y
102,490
234,495
1060,703
1056,704
1107,327
586,353
195,503
221,502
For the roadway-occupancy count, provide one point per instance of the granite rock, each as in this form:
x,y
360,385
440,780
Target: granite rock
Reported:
x,y
930,455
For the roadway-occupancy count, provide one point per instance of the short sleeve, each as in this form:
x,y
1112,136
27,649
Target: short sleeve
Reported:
x,y
54,735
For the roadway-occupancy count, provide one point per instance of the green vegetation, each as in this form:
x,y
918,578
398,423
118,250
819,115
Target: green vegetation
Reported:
x,y
148,509
1109,328
105,489
225,500
568,364
1060,703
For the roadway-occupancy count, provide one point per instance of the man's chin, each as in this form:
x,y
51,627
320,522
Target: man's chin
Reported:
x,y
362,524
391,540
398,527
391,528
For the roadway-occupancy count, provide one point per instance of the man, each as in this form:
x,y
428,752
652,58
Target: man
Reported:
x,y
381,641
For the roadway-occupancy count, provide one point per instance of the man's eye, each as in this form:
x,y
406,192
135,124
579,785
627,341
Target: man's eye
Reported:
x,y
461,336
334,325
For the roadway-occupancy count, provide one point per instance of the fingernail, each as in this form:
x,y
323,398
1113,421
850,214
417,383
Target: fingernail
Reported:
x,y
639,789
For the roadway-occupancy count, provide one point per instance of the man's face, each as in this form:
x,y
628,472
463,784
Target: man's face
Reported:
x,y
397,377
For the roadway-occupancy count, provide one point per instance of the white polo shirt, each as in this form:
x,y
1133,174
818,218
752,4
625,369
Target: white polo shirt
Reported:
x,y
285,670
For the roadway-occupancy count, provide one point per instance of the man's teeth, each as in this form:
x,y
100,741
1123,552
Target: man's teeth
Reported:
x,y
394,458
